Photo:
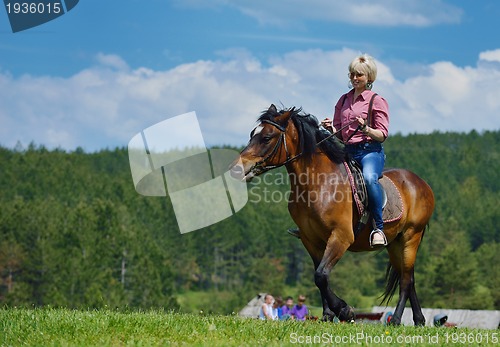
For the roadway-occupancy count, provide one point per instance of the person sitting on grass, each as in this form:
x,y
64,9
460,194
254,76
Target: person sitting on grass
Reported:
x,y
278,303
266,310
286,309
300,311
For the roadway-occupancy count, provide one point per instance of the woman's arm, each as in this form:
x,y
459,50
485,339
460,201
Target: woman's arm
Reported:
x,y
380,122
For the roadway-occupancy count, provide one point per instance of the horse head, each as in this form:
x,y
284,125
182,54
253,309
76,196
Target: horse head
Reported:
x,y
273,143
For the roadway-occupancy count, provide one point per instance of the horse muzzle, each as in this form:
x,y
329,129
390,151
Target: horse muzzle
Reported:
x,y
239,172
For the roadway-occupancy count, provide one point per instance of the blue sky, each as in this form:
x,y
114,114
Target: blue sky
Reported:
x,y
108,69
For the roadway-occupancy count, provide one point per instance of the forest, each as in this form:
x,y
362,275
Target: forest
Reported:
x,y
74,233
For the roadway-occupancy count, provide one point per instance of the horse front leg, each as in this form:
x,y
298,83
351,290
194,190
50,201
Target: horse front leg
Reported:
x,y
331,302
328,314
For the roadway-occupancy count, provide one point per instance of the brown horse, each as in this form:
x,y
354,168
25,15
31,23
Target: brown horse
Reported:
x,y
321,205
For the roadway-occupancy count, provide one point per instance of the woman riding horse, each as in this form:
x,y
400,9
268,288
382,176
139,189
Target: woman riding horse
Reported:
x,y
289,138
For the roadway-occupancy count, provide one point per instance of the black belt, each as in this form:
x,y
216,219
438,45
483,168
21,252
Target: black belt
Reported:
x,y
360,145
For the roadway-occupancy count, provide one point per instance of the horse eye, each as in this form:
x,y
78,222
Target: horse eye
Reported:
x,y
266,139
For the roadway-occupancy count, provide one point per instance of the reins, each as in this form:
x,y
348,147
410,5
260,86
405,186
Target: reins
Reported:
x,y
338,131
259,165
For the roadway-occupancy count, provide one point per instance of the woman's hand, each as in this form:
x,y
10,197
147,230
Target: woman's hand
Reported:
x,y
327,123
362,125
375,134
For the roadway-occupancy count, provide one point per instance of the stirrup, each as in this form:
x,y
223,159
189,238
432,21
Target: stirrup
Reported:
x,y
294,232
378,243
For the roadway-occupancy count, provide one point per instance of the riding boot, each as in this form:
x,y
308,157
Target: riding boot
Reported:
x,y
377,238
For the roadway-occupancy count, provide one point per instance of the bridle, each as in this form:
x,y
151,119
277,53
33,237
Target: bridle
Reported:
x,y
260,167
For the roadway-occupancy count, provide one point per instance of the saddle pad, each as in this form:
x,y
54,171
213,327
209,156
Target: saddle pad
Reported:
x,y
392,210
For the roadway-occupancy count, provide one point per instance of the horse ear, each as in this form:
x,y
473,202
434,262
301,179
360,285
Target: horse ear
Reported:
x,y
272,109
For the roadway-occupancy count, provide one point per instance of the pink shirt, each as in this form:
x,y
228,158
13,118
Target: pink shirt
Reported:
x,y
346,111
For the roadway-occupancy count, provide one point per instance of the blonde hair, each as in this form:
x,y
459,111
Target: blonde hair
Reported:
x,y
364,64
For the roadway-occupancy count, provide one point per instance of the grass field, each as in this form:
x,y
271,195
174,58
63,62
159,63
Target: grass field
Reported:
x,y
62,327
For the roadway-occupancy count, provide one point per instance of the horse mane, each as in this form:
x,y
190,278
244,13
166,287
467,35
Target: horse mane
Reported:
x,y
309,133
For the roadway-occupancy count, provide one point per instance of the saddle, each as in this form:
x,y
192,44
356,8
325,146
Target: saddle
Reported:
x,y
392,209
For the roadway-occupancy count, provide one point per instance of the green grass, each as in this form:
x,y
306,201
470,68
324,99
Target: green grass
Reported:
x,y
63,327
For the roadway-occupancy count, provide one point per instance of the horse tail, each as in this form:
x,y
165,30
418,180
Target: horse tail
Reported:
x,y
426,228
392,279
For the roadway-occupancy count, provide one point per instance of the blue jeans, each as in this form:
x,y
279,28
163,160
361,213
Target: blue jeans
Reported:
x,y
371,157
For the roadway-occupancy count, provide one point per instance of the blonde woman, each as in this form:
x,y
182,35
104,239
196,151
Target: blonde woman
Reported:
x,y
363,136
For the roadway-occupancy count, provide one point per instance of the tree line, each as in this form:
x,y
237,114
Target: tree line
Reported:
x,y
74,233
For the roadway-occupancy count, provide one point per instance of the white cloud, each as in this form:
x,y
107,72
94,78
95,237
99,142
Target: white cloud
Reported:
x,y
112,60
105,105
387,13
449,98
492,56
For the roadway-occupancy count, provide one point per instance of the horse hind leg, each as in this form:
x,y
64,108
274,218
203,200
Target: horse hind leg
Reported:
x,y
418,316
402,254
407,291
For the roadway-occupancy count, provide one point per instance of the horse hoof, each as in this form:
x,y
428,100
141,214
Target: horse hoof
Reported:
x,y
420,323
347,314
328,317
394,322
